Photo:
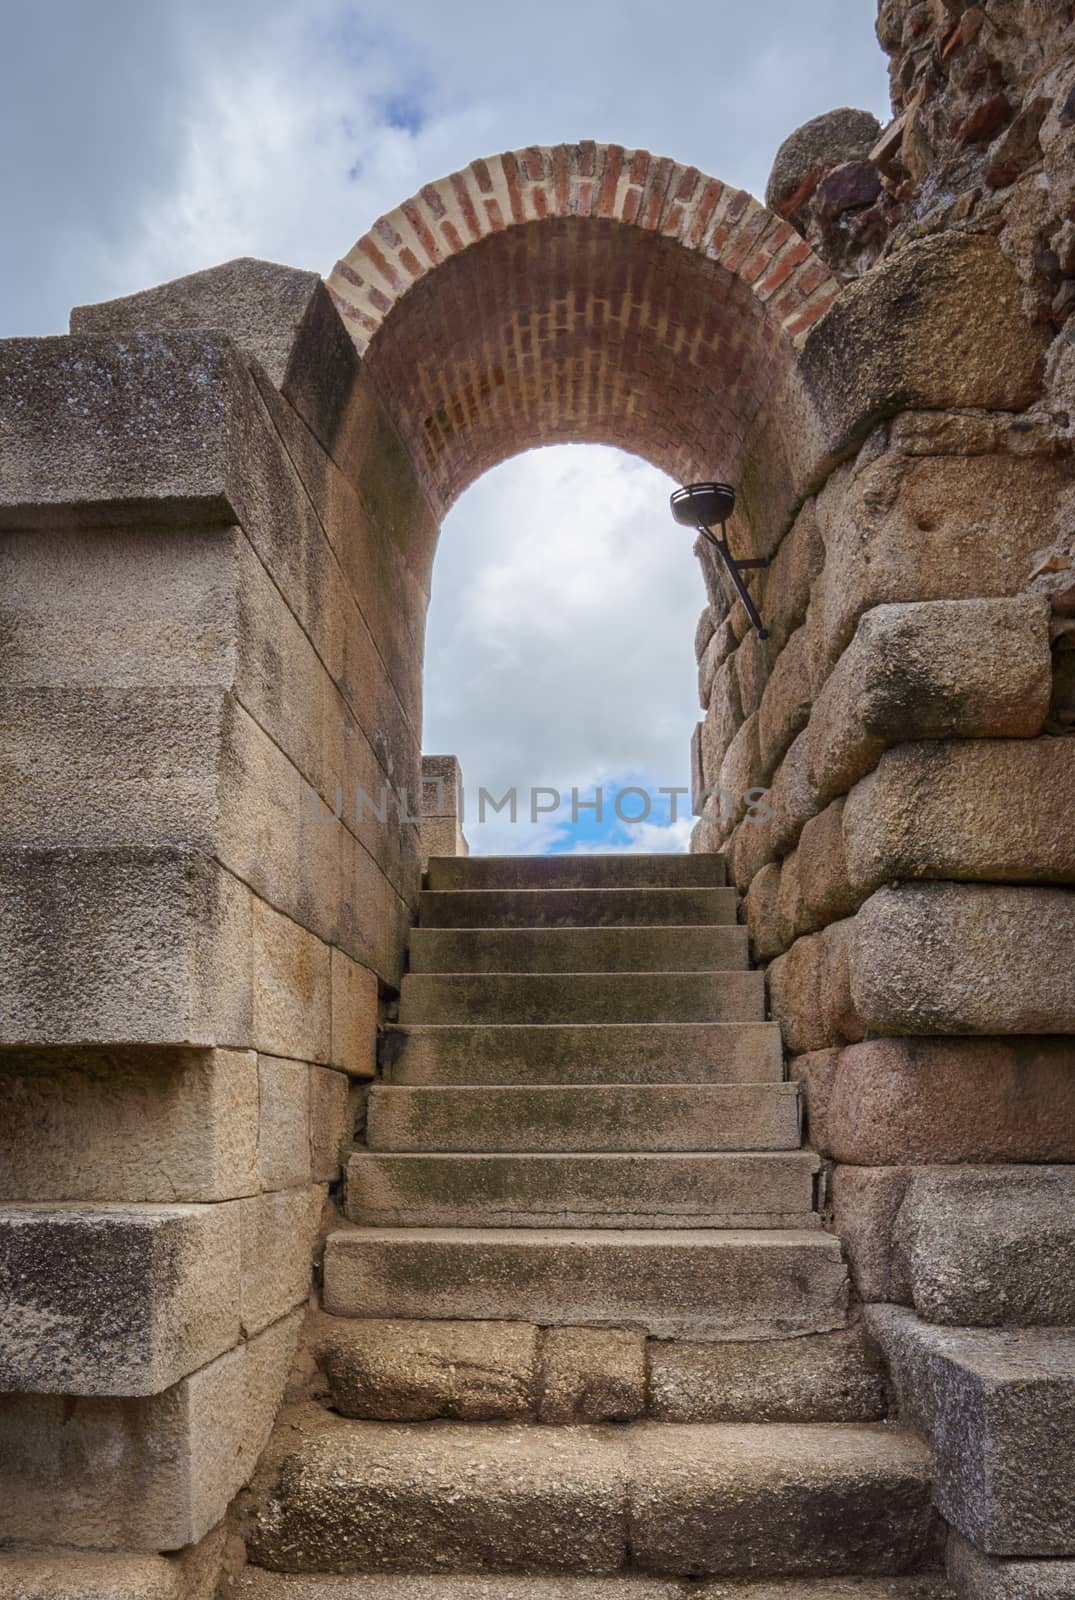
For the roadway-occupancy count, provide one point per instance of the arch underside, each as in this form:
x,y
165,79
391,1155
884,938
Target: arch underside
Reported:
x,y
585,294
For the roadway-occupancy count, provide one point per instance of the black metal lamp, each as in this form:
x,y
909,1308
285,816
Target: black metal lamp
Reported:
x,y
703,506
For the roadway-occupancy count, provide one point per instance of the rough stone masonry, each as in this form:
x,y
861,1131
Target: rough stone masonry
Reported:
x,y
383,1222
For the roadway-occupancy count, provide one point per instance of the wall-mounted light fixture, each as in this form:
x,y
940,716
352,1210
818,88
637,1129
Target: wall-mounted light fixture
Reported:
x,y
704,506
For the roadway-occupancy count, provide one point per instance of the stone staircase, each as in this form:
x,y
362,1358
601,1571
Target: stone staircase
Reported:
x,y
584,1336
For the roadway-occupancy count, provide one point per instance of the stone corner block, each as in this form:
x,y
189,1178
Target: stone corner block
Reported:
x,y
977,1576
115,1300
999,1407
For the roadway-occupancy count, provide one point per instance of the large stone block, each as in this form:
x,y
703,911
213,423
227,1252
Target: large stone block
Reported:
x,y
990,1246
332,1124
277,1233
830,1377
146,442
810,991
283,1122
292,988
354,1017
729,1498
999,1407
939,669
373,1497
827,894
793,798
987,809
415,1371
964,959
57,1574
128,1124
927,1100
257,303
977,1576
148,947
141,1474
940,323
785,706
115,1300
899,530
815,1073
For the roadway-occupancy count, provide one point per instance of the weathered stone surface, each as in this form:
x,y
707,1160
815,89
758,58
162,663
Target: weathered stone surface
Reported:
x,y
277,1249
719,1284
826,891
999,1409
141,1474
331,1123
794,566
750,847
740,772
793,798
709,948
938,669
938,324
753,664
254,1583
813,150
762,916
369,1497
283,1122
904,528
683,1499
415,1371
257,303
592,1375
146,443
977,1576
927,1100
584,997
354,1017
576,872
785,706
115,1300
831,1377
129,1124
57,1574
815,1073
727,1499
990,1246
790,918
292,987
153,947
964,959
866,1203
987,809
623,1189
722,722
579,908
639,1053
810,990
581,1117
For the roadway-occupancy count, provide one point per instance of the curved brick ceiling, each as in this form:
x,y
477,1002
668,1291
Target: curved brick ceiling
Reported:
x,y
581,292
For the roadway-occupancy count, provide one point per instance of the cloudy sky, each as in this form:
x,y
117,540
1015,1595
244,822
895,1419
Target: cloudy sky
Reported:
x,y
141,139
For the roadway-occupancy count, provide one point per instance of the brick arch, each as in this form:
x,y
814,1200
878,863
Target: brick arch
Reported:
x,y
579,292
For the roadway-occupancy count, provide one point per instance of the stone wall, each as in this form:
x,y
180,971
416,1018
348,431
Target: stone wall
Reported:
x,y
211,646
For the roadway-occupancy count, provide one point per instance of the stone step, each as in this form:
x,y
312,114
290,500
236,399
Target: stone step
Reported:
x,y
637,1190
583,997
643,1053
577,872
413,1371
576,908
999,1406
585,1117
255,1583
699,1284
530,950
691,1500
